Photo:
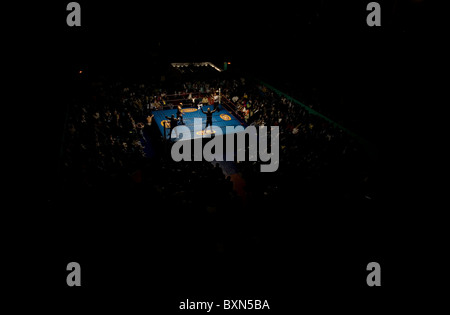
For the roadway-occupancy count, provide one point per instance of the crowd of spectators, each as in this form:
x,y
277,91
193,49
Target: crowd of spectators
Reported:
x,y
316,156
105,135
111,138
110,132
111,145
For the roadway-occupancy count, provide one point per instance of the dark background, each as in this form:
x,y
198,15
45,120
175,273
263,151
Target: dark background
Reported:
x,y
371,80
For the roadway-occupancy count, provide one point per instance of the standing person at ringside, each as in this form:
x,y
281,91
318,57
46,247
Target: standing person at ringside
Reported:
x,y
180,114
173,124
